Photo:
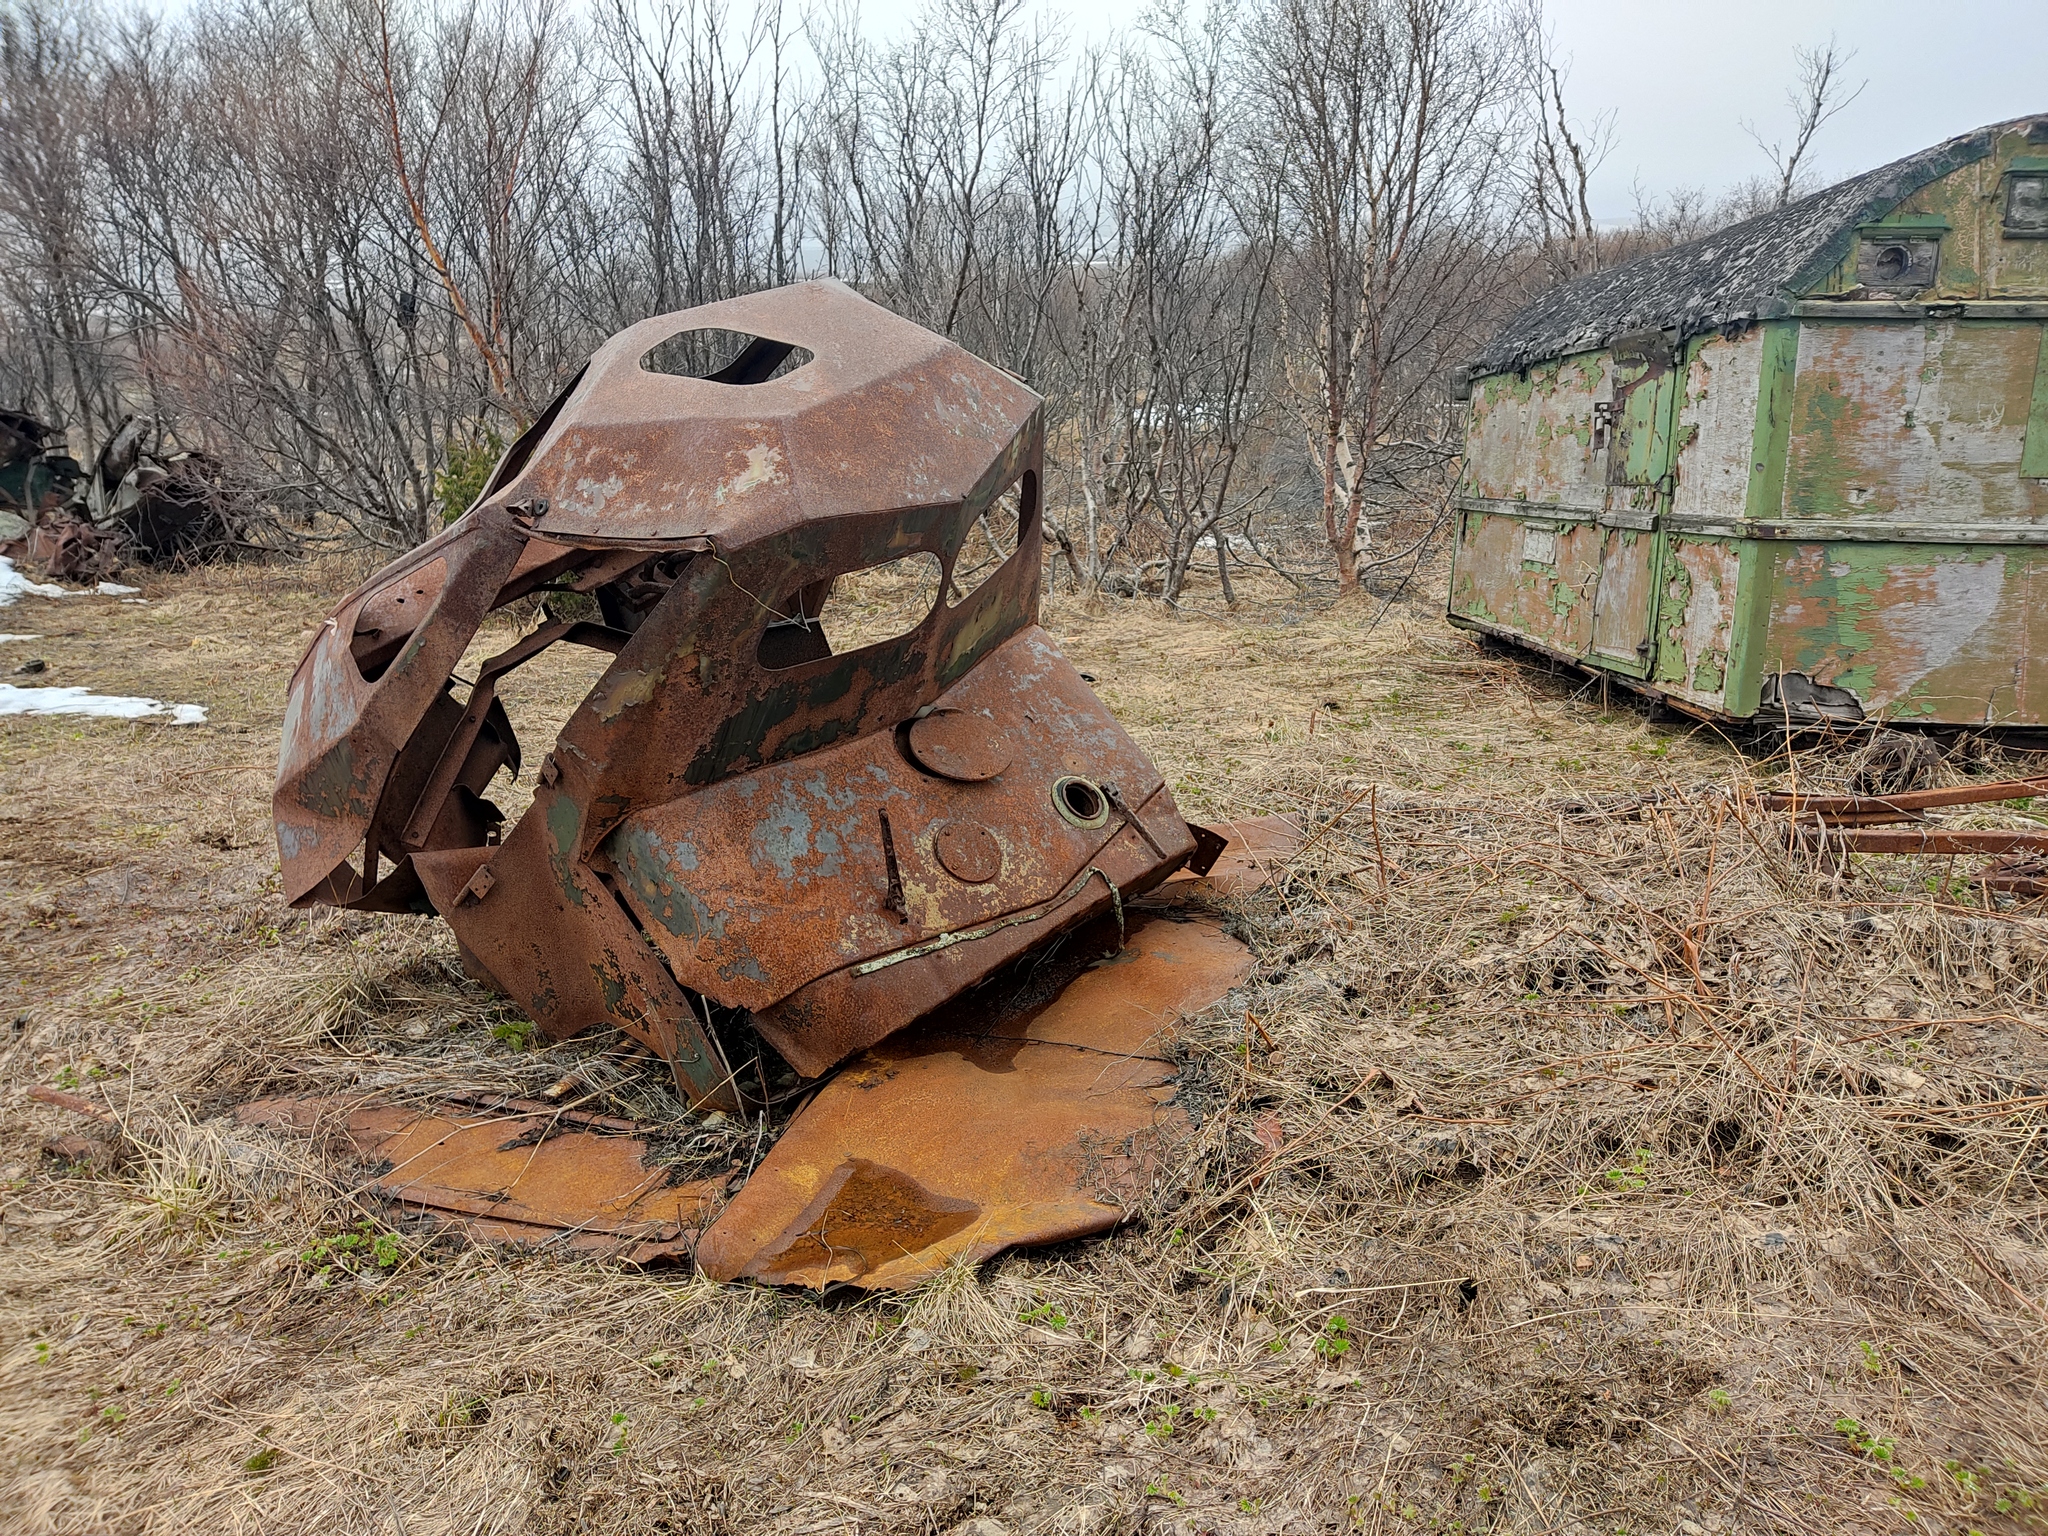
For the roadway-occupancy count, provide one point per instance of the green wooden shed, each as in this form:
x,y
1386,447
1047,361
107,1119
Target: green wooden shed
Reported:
x,y
1798,467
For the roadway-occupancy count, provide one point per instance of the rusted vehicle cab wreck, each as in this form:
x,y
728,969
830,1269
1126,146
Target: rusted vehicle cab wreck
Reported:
x,y
747,819
1796,470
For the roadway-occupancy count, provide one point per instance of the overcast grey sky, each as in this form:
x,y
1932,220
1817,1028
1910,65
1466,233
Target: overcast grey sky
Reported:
x,y
1681,75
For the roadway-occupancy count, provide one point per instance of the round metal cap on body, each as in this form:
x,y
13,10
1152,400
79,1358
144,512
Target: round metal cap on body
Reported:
x,y
970,854
959,744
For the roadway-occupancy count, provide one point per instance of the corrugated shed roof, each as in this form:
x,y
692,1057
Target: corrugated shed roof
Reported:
x,y
1738,273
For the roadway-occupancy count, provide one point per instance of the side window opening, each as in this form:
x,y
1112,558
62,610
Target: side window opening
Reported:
x,y
992,538
852,611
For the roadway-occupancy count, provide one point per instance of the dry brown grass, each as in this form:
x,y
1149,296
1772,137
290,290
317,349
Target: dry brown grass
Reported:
x,y
1625,1156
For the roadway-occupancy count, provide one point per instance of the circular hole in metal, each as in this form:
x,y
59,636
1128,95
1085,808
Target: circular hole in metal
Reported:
x,y
1894,261
1080,802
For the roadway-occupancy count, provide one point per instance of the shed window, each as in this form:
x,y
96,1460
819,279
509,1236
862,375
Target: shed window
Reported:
x,y
2026,206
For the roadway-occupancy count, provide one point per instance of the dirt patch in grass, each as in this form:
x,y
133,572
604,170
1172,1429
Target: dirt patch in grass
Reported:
x,y
1632,1173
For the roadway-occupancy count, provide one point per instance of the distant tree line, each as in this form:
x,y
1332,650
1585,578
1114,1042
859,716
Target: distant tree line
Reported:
x,y
350,246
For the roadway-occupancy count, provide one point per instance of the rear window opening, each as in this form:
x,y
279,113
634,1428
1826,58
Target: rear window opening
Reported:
x,y
850,612
992,538
724,357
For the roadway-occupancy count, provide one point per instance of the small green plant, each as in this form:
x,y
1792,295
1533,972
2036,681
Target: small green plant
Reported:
x,y
1718,1401
1162,1427
1161,1491
619,1432
1041,1397
463,1412
262,1461
354,1251
42,1351
519,1034
1879,1449
1092,1417
1635,1176
1046,1313
467,471
1277,1346
1873,1357
1335,1342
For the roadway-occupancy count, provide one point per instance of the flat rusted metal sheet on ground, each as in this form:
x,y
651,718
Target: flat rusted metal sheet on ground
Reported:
x,y
1254,850
1019,1116
747,812
519,1172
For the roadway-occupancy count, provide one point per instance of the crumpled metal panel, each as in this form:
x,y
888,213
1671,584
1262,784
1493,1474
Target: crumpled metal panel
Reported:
x,y
709,827
518,1172
1008,1121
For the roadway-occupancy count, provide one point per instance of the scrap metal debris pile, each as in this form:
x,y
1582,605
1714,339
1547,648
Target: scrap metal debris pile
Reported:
x,y
1898,823
754,829
138,503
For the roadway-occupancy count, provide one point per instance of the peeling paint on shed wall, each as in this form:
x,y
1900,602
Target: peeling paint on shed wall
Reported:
x,y
1920,421
1977,262
1531,438
1857,493
1915,630
1696,623
1496,582
1717,426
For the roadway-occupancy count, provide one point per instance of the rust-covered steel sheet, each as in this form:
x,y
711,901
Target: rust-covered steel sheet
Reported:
x,y
1254,850
747,813
517,1172
1021,1115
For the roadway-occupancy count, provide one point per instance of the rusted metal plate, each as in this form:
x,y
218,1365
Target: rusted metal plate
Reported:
x,y
2021,875
1014,1118
709,827
1254,850
968,852
958,743
520,1172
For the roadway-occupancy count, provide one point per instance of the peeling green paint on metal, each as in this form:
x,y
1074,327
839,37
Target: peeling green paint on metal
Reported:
x,y
2034,455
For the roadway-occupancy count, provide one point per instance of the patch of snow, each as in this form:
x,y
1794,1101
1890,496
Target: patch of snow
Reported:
x,y
83,701
115,589
5,638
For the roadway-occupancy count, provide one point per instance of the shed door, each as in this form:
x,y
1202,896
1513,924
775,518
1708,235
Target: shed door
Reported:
x,y
1637,440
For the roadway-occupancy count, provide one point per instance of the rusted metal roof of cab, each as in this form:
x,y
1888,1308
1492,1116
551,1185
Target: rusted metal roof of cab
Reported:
x,y
1748,271
885,415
